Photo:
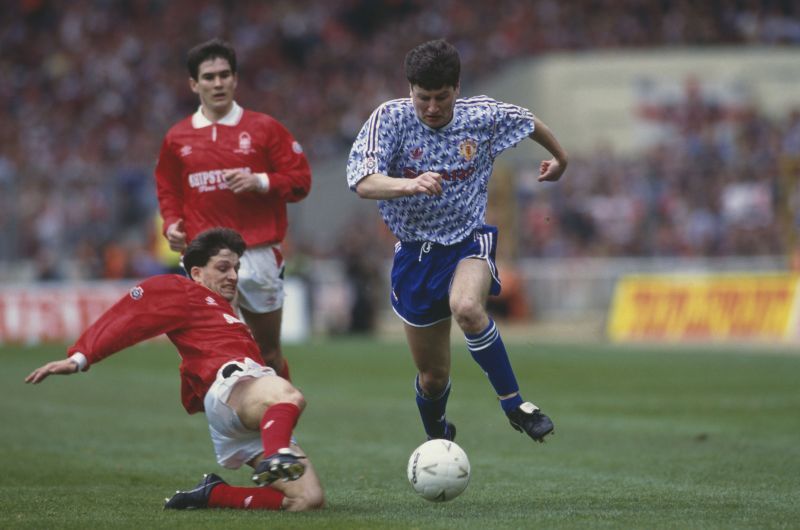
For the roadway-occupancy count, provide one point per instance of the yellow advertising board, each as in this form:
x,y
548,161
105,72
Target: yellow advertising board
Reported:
x,y
705,307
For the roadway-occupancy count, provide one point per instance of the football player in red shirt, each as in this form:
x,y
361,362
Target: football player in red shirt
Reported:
x,y
250,410
227,166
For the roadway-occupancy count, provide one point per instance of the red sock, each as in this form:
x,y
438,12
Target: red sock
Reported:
x,y
284,372
277,425
227,496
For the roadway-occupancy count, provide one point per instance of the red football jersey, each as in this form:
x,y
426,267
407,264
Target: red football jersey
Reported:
x,y
189,179
201,324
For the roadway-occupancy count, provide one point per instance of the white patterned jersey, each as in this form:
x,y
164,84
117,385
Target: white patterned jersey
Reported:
x,y
396,143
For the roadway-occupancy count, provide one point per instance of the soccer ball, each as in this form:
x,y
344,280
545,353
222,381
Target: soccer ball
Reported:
x,y
438,470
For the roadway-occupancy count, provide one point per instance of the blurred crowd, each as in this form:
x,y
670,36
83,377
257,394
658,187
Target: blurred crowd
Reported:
x,y
722,182
91,86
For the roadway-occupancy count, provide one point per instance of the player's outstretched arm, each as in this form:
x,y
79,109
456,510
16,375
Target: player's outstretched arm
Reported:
x,y
62,367
549,170
382,187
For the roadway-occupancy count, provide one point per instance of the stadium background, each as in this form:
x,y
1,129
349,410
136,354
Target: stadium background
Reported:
x,y
682,121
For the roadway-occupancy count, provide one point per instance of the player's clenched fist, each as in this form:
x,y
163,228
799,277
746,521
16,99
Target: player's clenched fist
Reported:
x,y
176,236
551,170
240,181
429,183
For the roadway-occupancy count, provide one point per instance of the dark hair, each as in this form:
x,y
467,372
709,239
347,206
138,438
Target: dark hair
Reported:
x,y
208,244
433,65
212,49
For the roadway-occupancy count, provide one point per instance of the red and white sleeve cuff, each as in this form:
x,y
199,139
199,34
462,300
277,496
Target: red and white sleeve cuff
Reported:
x,y
79,359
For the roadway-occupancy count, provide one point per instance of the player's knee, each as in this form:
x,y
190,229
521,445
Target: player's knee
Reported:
x,y
468,312
290,394
310,498
274,390
316,500
433,382
313,499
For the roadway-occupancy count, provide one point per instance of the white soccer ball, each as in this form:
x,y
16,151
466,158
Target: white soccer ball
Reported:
x,y
438,470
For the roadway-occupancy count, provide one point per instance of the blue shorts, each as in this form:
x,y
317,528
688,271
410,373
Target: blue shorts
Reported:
x,y
422,274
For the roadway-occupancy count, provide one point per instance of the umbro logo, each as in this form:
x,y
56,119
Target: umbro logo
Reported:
x,y
268,424
231,320
211,301
186,150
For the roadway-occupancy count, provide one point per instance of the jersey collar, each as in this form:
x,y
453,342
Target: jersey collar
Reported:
x,y
443,127
231,119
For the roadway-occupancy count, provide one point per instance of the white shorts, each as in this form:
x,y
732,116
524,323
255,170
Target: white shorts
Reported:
x,y
261,279
234,444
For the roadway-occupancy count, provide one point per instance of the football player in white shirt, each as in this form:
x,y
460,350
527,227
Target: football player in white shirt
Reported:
x,y
427,160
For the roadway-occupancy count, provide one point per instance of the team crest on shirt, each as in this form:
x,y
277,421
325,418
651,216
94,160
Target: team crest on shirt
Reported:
x,y
468,148
186,150
137,293
416,153
245,144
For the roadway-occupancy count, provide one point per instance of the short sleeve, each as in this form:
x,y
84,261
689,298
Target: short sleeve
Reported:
x,y
373,147
512,125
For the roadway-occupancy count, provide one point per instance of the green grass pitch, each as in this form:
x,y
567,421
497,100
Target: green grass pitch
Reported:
x,y
645,438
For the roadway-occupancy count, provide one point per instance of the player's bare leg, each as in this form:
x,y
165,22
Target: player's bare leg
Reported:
x,y
271,407
305,493
302,494
430,349
251,396
468,295
266,328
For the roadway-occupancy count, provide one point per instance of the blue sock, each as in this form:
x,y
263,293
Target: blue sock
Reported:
x,y
431,410
489,352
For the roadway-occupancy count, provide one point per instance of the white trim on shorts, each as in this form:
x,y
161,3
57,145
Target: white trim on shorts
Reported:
x,y
486,242
419,325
